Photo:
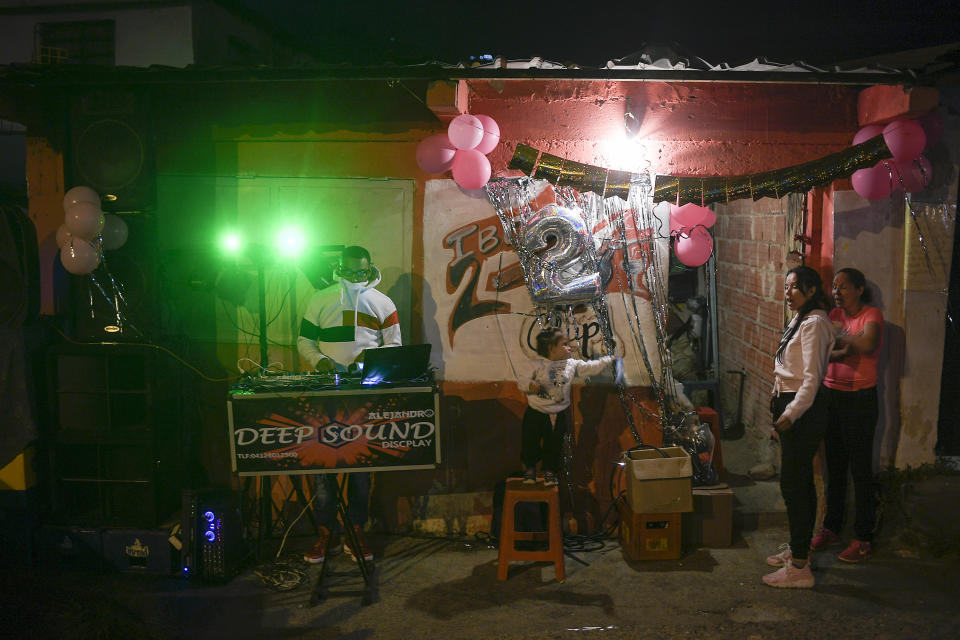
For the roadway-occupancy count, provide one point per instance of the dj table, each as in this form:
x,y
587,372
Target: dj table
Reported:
x,y
297,426
312,424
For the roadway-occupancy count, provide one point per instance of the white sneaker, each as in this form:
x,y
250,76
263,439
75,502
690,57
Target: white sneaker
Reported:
x,y
790,577
782,557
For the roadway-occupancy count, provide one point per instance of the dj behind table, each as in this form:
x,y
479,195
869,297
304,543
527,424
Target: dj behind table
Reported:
x,y
380,417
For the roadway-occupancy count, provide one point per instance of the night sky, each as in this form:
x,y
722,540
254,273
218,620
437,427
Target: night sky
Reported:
x,y
816,31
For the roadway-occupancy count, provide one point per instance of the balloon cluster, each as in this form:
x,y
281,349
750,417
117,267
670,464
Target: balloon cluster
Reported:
x,y
692,242
908,170
462,149
86,231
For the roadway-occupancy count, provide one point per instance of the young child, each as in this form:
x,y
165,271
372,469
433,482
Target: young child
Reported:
x,y
548,395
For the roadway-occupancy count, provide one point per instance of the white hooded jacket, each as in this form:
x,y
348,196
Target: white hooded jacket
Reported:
x,y
344,319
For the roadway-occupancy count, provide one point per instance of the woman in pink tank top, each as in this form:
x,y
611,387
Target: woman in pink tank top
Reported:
x,y
851,388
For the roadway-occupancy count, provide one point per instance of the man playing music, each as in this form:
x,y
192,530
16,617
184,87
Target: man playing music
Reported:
x,y
339,323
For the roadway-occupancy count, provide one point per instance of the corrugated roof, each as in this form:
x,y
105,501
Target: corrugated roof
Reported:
x,y
651,63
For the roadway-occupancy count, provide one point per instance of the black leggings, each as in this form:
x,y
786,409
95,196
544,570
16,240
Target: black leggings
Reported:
x,y
798,445
541,440
849,445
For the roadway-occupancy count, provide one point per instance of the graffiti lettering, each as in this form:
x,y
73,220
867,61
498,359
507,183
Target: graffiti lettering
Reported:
x,y
472,245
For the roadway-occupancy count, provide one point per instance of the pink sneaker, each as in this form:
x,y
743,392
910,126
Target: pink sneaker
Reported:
x,y
825,538
857,551
782,557
789,577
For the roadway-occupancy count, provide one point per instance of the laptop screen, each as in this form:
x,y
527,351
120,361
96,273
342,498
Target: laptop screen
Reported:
x,y
395,364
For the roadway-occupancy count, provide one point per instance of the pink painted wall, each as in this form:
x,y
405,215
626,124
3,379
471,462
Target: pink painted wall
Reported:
x,y
692,129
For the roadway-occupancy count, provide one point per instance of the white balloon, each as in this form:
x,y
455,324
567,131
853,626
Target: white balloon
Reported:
x,y
84,219
80,194
63,235
79,256
114,232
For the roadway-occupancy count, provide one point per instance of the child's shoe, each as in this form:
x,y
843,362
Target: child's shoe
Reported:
x,y
856,552
790,577
549,479
530,475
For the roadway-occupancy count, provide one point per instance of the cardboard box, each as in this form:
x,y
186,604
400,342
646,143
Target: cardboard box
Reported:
x,y
658,484
711,522
70,547
650,536
139,550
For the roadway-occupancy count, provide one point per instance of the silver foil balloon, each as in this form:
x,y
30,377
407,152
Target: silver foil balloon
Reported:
x,y
557,248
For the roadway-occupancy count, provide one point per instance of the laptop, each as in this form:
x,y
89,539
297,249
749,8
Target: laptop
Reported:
x,y
388,365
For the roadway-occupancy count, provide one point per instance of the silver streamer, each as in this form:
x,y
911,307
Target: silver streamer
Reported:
x,y
940,214
112,292
528,229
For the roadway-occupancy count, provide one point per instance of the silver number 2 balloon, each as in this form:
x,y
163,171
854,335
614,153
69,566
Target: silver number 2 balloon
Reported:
x,y
558,253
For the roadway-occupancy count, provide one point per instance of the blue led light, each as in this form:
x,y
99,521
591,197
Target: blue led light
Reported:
x,y
209,516
210,536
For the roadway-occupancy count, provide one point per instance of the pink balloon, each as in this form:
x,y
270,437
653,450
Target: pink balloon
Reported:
x,y
491,134
80,194
84,219
905,139
435,154
916,175
115,232
79,256
471,169
480,194
932,125
873,183
465,131
690,215
869,131
694,249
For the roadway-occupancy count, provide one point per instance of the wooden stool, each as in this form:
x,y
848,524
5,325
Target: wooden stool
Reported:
x,y
518,492
712,418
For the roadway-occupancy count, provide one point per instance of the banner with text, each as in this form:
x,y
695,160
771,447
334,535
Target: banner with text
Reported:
x,y
333,431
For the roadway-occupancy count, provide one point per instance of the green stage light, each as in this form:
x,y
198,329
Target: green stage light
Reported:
x,y
290,242
231,242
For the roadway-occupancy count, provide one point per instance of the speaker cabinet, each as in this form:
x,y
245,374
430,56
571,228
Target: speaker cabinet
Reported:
x,y
115,454
111,148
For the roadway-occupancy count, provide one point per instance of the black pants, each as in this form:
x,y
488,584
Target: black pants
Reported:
x,y
541,440
798,445
848,443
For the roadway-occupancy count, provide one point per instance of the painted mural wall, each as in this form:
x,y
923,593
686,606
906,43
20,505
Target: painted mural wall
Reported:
x,y
482,322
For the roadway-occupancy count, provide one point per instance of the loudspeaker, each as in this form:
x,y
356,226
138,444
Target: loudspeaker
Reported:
x,y
111,148
125,284
115,449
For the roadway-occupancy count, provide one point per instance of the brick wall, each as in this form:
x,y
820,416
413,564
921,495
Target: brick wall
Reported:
x,y
751,252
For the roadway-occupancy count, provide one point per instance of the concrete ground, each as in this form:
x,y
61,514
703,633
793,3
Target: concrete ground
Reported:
x,y
441,588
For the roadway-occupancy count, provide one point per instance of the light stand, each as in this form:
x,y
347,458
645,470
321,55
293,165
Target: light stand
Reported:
x,y
258,255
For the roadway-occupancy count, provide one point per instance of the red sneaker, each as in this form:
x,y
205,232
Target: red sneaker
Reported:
x,y
364,550
825,538
318,550
858,551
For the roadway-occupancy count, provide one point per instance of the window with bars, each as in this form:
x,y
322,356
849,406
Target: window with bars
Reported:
x,y
82,42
